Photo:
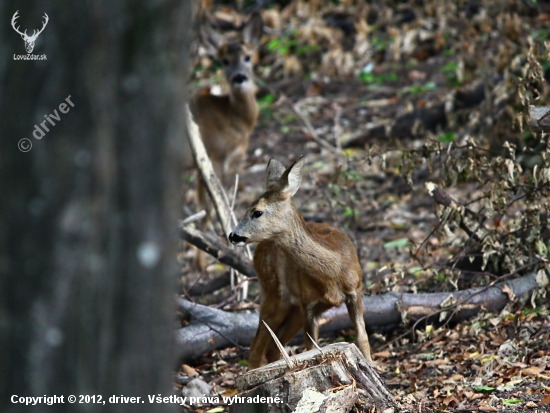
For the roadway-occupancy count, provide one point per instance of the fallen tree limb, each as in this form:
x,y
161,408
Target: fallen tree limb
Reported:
x,y
405,125
209,287
539,118
212,329
206,170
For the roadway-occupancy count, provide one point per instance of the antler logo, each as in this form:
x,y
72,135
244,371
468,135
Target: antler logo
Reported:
x,y
29,40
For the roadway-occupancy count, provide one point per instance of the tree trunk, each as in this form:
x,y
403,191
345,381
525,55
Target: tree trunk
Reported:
x,y
88,229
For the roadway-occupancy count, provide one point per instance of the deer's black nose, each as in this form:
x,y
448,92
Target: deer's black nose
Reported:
x,y
239,78
237,239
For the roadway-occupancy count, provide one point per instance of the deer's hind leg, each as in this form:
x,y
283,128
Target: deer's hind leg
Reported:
x,y
354,304
310,318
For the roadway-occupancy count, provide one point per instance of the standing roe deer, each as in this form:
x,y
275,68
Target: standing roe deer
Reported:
x,y
303,268
225,122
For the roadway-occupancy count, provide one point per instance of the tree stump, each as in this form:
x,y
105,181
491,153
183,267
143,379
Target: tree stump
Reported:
x,y
332,380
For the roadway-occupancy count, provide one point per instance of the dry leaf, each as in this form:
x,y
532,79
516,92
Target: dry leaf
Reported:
x,y
542,278
189,371
382,354
506,290
531,371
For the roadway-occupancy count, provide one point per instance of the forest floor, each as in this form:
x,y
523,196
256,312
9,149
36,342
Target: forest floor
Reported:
x,y
492,362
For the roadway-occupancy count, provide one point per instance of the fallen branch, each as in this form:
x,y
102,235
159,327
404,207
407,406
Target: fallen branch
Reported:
x,y
206,170
199,289
381,310
213,186
305,120
539,118
406,125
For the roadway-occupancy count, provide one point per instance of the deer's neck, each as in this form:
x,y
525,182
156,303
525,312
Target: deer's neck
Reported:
x,y
308,251
243,104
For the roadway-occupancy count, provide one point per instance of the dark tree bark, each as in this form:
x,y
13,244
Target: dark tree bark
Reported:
x,y
89,215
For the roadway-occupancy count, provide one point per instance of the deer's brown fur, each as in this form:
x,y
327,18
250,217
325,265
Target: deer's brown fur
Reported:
x,y
303,268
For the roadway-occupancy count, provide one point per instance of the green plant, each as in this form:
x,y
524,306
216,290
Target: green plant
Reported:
x,y
450,71
265,103
287,43
371,78
426,87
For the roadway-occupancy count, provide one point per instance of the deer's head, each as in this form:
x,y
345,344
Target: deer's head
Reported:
x,y
271,215
236,54
29,40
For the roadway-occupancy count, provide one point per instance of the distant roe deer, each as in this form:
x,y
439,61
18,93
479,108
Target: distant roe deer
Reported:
x,y
225,122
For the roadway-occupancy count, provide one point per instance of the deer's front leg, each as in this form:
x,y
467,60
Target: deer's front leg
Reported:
x,y
354,304
273,312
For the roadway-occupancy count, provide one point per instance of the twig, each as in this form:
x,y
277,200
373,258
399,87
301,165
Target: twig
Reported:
x,y
195,217
288,360
315,344
304,119
309,126
337,130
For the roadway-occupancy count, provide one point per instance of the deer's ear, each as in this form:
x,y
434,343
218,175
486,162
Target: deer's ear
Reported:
x,y
252,30
273,173
292,177
211,39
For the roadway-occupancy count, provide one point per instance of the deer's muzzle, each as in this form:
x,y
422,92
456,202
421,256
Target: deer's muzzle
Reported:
x,y
239,78
237,239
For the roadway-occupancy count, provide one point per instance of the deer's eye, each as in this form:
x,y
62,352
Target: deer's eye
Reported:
x,y
225,62
257,214
247,58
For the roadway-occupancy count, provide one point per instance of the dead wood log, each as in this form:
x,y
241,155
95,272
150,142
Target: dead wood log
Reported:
x,y
333,379
407,125
210,286
212,329
539,118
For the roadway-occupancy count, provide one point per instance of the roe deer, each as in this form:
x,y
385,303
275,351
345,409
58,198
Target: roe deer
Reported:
x,y
225,122
303,268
